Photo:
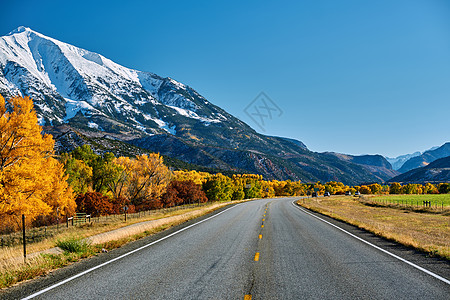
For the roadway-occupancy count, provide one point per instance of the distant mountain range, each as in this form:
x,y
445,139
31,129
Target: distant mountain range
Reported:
x,y
397,162
426,158
436,171
81,95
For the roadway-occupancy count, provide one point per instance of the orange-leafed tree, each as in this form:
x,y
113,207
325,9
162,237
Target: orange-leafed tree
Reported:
x,y
183,192
94,203
32,182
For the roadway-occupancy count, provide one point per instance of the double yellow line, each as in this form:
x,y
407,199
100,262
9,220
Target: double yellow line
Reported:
x,y
260,235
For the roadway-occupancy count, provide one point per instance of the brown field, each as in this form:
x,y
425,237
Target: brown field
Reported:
x,y
427,231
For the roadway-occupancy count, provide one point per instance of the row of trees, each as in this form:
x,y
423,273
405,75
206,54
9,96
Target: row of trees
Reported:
x,y
34,182
413,188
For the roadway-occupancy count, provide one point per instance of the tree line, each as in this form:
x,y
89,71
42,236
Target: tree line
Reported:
x,y
45,187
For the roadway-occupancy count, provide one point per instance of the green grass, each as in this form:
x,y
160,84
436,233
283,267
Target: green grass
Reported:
x,y
74,245
437,200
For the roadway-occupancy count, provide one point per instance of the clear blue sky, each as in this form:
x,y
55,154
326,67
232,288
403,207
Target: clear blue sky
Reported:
x,y
353,77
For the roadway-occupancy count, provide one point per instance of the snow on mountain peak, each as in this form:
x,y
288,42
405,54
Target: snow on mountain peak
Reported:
x,y
20,29
177,84
64,80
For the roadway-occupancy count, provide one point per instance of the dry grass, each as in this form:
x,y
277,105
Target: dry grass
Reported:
x,y
42,257
429,232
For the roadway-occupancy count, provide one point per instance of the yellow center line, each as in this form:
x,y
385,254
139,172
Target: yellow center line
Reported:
x,y
257,256
260,236
263,220
248,297
262,226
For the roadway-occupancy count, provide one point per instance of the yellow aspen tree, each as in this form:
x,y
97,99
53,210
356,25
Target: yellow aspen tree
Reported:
x,y
196,177
29,175
60,194
118,186
143,179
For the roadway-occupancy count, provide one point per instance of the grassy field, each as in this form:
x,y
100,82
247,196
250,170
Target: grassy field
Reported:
x,y
85,240
439,201
426,230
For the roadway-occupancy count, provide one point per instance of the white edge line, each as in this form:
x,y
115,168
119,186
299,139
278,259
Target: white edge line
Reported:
x,y
122,256
376,247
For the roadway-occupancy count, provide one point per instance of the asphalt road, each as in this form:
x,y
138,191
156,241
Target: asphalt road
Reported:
x,y
268,249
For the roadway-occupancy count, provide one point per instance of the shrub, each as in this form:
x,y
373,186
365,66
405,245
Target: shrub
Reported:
x,y
74,245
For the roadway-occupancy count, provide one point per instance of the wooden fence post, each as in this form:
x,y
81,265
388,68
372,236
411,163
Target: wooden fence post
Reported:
x,y
24,240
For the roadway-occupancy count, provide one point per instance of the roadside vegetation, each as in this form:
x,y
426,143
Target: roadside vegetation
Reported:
x,y
426,229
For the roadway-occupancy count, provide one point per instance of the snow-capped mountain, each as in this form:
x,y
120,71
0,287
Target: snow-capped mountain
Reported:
x,y
79,92
66,81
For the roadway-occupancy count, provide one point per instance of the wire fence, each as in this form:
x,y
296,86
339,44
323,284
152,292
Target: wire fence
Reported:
x,y
37,234
434,205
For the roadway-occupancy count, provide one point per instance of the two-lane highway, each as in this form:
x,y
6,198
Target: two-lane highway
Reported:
x,y
263,249
303,258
